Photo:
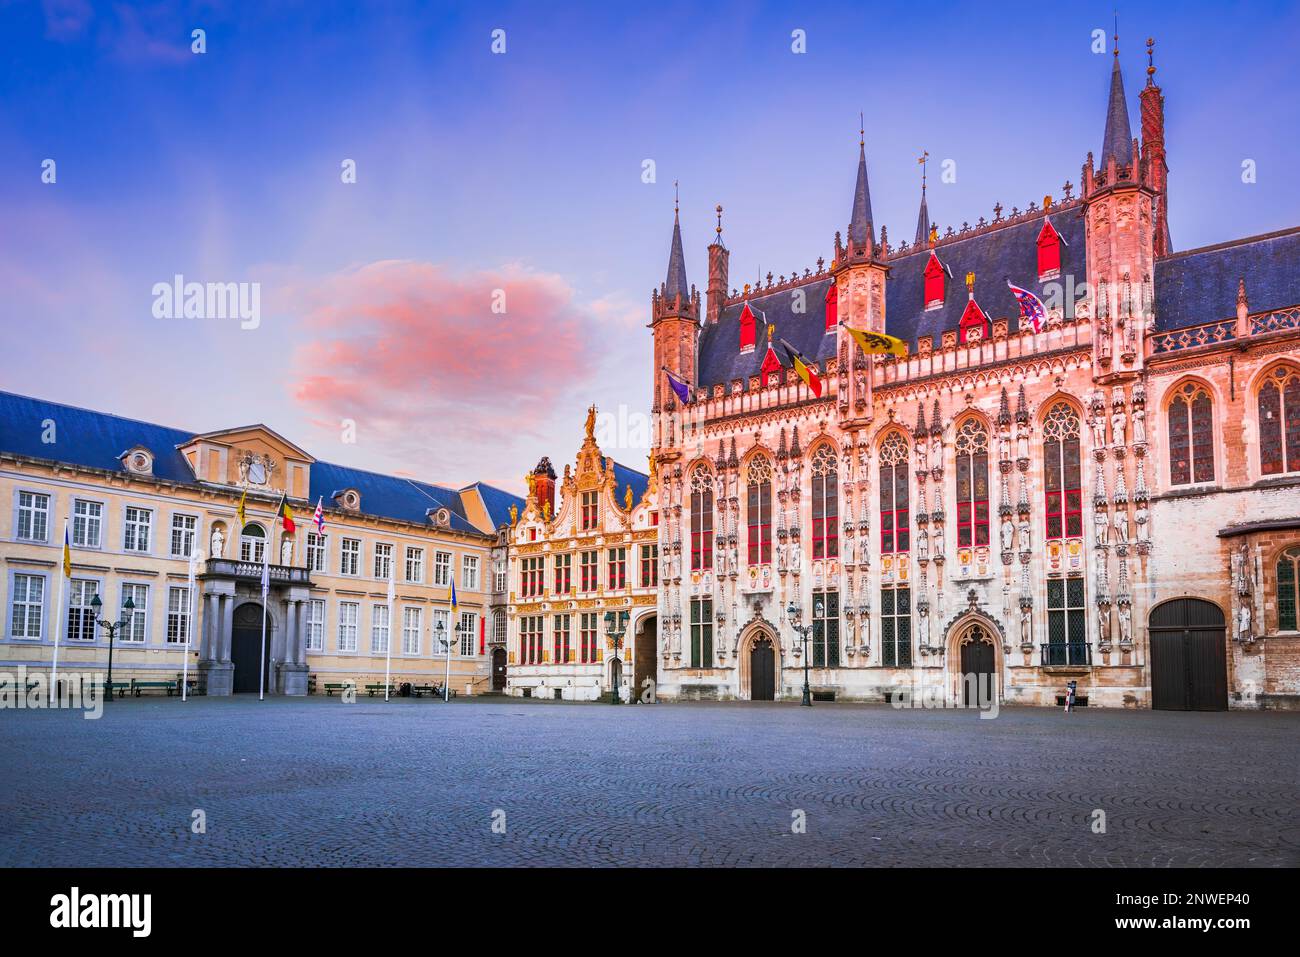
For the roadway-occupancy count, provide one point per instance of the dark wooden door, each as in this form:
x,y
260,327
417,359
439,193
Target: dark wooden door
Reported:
x,y
762,671
1189,670
645,658
498,669
246,647
977,672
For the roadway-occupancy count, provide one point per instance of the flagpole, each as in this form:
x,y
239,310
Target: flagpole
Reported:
x,y
446,685
58,605
392,589
266,581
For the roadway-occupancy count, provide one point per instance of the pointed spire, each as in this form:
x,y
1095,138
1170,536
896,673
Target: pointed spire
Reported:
x,y
921,428
923,218
860,228
1004,409
936,421
675,283
1118,140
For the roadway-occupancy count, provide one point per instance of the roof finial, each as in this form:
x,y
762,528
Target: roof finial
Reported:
x,y
676,198
862,131
1116,34
1151,60
719,229
923,159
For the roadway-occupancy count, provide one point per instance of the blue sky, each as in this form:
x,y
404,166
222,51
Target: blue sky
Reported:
x,y
475,169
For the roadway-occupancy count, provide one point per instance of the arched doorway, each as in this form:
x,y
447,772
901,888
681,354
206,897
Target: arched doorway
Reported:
x,y
498,669
246,646
978,679
1189,670
762,669
645,656
616,675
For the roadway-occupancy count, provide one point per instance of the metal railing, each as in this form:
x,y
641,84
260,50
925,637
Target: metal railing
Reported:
x,y
1060,653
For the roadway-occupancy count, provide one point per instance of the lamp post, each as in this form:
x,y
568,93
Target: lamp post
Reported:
x,y
616,628
441,632
794,613
112,627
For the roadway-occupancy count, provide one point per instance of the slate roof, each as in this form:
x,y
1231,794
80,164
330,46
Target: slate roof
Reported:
x,y
1118,138
497,502
1006,252
624,477
1200,285
97,439
675,281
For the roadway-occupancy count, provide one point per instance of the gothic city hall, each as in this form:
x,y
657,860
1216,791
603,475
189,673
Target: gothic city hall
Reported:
x,y
1107,494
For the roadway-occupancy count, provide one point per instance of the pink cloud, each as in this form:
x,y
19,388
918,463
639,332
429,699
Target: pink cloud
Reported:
x,y
434,379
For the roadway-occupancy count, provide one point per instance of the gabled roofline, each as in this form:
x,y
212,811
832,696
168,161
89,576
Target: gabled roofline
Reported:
x,y
1229,244
210,436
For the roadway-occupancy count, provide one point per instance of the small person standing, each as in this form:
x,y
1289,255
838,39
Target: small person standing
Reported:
x,y
1070,688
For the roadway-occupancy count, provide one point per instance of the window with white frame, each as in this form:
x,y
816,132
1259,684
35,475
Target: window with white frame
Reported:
x,y
414,564
379,629
137,620
468,632
412,622
383,561
27,608
315,552
316,625
81,613
350,557
499,626
442,569
252,543
184,528
469,573
178,614
33,517
136,529
441,637
499,579
87,524
348,611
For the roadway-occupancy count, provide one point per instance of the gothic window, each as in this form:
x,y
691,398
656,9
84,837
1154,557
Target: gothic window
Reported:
x,y
1279,422
1191,436
894,521
1049,251
896,627
1288,589
1066,622
701,518
701,633
826,629
972,484
825,503
1063,474
759,518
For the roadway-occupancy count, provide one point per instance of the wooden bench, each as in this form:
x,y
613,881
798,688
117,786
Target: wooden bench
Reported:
x,y
1080,701
331,687
373,690
139,686
121,687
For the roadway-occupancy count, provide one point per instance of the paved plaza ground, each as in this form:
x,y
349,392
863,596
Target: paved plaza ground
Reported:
x,y
411,782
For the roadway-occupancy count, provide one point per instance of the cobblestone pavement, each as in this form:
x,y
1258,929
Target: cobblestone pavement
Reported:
x,y
319,782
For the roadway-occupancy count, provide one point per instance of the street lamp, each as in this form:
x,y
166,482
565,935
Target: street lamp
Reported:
x,y
616,628
112,627
441,632
794,614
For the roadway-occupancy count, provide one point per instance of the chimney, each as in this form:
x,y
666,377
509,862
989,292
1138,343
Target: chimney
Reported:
x,y
544,485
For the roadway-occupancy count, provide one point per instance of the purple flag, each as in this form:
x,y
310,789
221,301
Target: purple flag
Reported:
x,y
679,386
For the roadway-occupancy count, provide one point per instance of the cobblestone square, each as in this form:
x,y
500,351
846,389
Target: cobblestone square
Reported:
x,y
320,782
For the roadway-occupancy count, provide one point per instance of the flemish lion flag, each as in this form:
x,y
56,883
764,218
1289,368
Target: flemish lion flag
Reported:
x,y
876,343
239,509
804,369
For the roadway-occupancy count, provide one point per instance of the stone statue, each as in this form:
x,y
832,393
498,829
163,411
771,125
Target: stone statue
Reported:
x,y
1246,582
514,514
921,455
1098,423
1139,426
244,461
1008,530
938,540
1004,446
1142,517
1103,623
1103,340
850,550
286,551
591,423
1125,623
1243,620
923,544
1117,424
218,543
936,452
1026,633
1022,444
1120,520
627,499
546,511
1101,527
1023,529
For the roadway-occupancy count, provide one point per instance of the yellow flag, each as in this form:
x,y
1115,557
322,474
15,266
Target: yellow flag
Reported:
x,y
876,343
239,512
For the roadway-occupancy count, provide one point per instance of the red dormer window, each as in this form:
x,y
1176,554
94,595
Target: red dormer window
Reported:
x,y
934,275
1049,251
974,324
832,308
747,324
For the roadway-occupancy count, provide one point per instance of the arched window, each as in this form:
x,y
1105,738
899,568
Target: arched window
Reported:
x,y
825,503
972,484
1279,422
252,543
895,528
701,518
1191,436
1063,474
1288,589
759,518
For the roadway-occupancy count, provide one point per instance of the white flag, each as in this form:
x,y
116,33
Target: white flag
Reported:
x,y
266,572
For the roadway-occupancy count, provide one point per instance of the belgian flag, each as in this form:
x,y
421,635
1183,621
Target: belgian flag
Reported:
x,y
804,369
286,514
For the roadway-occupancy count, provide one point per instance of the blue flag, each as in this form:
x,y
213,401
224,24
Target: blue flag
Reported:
x,y
679,386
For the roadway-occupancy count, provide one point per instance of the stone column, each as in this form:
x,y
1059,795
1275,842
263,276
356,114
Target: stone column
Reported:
x,y
205,634
227,626
291,633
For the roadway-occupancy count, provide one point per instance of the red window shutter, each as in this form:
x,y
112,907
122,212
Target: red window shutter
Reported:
x,y
832,308
746,328
933,281
1049,249
973,318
